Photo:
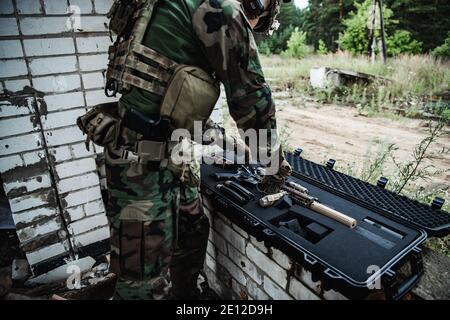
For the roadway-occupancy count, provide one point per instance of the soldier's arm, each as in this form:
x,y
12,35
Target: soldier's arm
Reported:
x,y
230,47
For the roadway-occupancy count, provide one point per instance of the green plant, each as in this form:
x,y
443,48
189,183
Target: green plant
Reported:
x,y
413,170
443,50
322,50
296,45
401,42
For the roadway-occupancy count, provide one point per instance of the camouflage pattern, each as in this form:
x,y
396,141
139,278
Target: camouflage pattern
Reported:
x,y
157,222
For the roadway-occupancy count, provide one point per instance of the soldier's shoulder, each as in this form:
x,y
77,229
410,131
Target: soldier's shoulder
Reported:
x,y
227,7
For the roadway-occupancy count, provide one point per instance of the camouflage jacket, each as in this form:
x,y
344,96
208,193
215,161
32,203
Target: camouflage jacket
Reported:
x,y
216,36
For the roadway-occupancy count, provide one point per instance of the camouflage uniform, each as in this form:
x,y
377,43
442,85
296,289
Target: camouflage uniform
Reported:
x,y
216,36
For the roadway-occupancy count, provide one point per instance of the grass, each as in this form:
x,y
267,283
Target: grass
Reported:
x,y
414,79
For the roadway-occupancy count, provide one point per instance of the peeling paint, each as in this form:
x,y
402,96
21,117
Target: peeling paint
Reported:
x,y
24,172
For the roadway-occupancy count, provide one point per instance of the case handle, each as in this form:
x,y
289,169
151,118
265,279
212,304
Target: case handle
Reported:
x,y
395,290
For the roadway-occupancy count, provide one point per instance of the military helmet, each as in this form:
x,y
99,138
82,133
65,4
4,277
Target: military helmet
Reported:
x,y
267,15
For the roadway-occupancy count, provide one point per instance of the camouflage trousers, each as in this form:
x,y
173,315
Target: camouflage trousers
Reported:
x,y
159,232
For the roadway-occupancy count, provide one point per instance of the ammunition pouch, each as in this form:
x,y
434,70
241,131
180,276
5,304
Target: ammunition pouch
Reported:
x,y
101,124
190,96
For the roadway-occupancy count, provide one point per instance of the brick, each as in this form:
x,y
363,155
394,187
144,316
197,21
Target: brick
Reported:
x,y
47,252
33,157
8,163
87,224
333,295
75,151
61,119
93,44
91,237
73,168
13,68
234,270
218,241
267,265
7,109
245,264
33,200
39,229
211,249
28,7
300,292
60,83
240,231
30,184
211,263
10,49
79,197
20,144
255,291
77,183
80,151
96,97
93,62
280,258
45,25
103,6
93,80
230,235
94,207
306,278
6,7
75,213
44,66
15,126
64,101
55,7
48,47
93,24
239,290
9,27
84,5
64,136
275,291
17,85
259,244
33,215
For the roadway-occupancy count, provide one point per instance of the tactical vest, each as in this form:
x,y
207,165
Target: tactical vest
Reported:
x,y
188,92
129,20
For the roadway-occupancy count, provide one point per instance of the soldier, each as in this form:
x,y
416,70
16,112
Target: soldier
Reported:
x,y
158,225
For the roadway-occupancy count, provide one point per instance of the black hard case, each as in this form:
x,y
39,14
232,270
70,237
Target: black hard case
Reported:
x,y
346,260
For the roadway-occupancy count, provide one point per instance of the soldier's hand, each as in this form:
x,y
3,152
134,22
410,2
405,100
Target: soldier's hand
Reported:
x,y
271,184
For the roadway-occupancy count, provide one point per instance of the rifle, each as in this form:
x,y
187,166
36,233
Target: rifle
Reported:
x,y
301,196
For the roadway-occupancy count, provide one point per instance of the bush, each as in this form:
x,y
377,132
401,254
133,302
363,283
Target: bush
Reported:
x,y
296,46
443,51
401,42
322,50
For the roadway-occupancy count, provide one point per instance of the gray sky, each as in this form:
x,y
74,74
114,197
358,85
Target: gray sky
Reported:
x,y
301,3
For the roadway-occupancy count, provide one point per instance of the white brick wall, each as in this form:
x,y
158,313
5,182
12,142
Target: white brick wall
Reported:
x,y
239,267
51,179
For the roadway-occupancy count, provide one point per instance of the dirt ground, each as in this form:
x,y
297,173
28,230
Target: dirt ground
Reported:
x,y
339,132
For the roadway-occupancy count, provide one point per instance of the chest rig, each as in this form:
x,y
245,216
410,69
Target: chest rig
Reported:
x,y
130,62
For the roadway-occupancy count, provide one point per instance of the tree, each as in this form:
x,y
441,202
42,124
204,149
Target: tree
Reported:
x,y
322,50
355,37
297,47
323,21
427,20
